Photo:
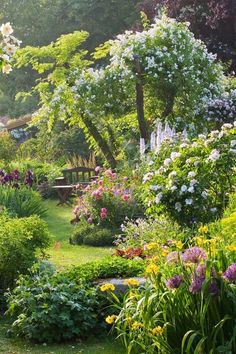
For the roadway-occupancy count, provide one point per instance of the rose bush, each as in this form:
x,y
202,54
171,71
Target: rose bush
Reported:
x,y
8,47
193,182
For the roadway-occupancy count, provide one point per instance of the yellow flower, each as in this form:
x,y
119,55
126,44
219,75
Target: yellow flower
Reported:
x,y
152,245
157,331
200,241
152,269
131,282
165,253
107,287
129,319
203,230
231,248
111,319
179,245
137,325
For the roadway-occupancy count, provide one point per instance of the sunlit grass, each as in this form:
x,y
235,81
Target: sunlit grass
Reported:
x,y
62,253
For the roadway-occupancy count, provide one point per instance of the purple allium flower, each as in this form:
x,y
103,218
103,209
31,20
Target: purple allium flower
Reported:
x,y
230,273
174,282
196,284
213,288
200,271
194,255
173,257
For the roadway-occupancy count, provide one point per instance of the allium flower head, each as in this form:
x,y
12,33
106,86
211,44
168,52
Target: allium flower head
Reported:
x,y
196,284
194,255
230,273
174,282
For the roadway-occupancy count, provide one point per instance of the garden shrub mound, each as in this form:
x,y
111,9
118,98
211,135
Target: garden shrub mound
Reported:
x,y
91,235
21,241
52,307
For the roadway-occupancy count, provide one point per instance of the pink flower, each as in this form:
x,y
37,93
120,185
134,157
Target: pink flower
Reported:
x,y
126,197
125,178
103,215
104,210
108,173
97,169
113,175
90,220
100,182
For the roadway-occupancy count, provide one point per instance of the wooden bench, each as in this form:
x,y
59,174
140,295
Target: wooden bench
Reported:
x,y
66,184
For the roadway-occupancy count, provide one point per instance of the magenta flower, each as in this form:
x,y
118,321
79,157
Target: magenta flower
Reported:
x,y
194,255
230,273
174,282
97,169
104,210
126,197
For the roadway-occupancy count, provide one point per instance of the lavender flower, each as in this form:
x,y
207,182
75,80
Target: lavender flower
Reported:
x,y
174,282
194,255
230,273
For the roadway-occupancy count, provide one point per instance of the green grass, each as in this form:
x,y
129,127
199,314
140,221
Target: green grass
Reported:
x,y
63,254
94,346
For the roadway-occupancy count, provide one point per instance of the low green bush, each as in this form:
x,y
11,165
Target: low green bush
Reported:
x,y
48,310
91,235
21,241
47,306
21,202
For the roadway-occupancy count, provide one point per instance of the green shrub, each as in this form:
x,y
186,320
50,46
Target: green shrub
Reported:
x,y
107,268
52,307
51,310
91,235
99,237
21,241
21,202
8,148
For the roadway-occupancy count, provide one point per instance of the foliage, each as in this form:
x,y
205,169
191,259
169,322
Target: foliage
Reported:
x,y
108,201
140,232
63,310
109,267
91,235
8,148
20,243
152,318
193,182
210,20
21,202
67,305
221,110
179,77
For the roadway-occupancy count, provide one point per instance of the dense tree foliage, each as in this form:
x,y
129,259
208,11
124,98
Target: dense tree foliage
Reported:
x,y
39,22
214,21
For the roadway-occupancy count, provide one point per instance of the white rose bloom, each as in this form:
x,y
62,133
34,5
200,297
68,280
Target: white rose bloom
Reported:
x,y
174,155
155,188
173,188
191,189
191,174
172,174
213,210
184,188
10,49
233,143
178,207
188,201
204,194
6,69
227,126
214,155
193,182
167,162
159,197
6,29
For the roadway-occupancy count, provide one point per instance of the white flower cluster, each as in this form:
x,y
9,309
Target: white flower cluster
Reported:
x,y
9,46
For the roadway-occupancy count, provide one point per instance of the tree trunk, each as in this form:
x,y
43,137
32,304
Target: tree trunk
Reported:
x,y
105,148
140,101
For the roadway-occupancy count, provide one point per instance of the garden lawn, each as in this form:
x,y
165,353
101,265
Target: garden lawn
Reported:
x,y
62,253
94,346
